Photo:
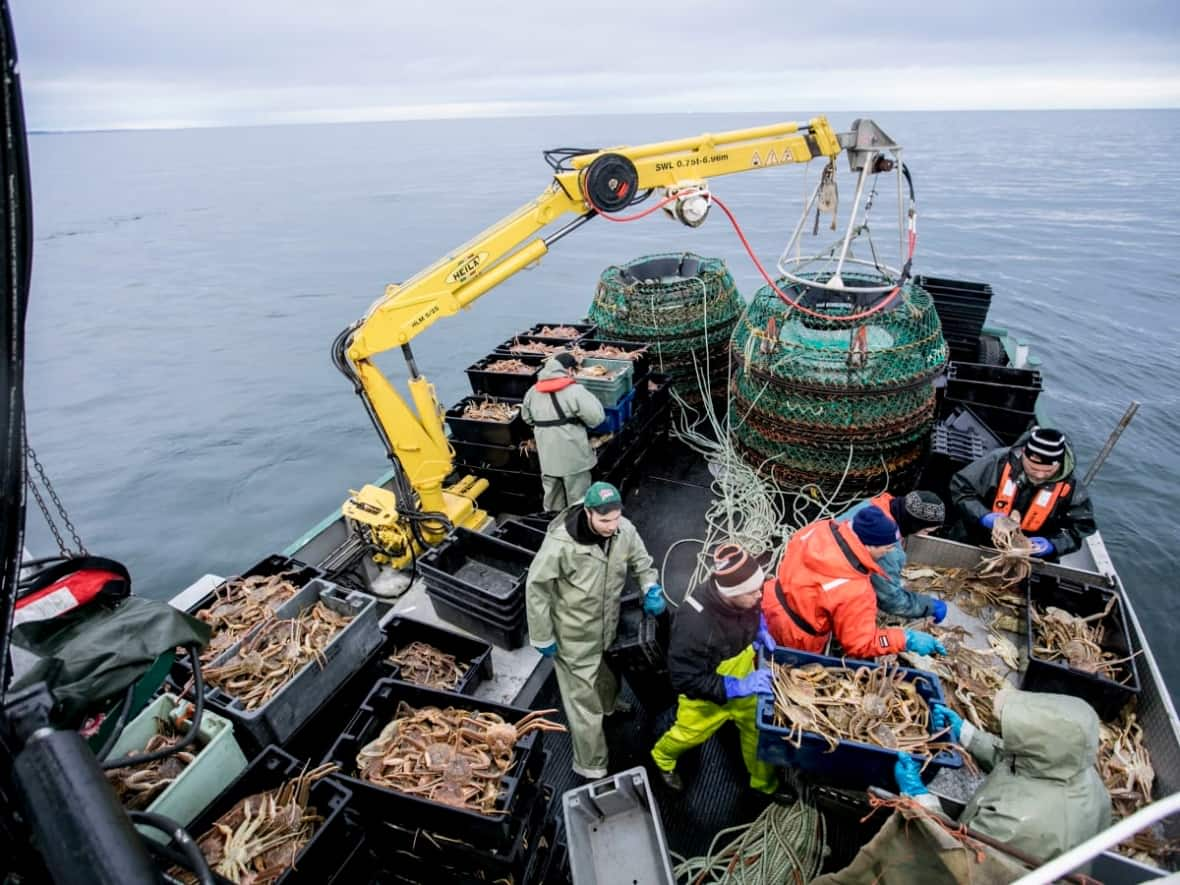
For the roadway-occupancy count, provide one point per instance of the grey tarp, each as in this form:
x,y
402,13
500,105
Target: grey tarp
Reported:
x,y
95,652
912,849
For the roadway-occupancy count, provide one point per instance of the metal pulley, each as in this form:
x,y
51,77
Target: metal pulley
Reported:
x,y
610,183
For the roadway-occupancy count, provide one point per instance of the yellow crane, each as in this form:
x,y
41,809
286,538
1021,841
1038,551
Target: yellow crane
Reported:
x,y
420,509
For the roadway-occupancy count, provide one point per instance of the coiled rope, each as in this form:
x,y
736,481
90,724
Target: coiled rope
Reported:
x,y
784,844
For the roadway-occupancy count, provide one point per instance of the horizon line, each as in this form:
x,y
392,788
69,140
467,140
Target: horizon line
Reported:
x,y
533,116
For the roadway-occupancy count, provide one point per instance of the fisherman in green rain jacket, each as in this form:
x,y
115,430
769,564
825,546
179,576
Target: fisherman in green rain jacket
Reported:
x,y
573,591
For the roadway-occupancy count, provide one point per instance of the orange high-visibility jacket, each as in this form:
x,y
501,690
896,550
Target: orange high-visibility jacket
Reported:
x,y
822,587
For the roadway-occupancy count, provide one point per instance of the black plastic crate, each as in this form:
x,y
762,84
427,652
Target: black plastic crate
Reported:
x,y
422,856
510,491
638,354
327,850
585,330
498,433
375,803
639,654
1007,425
535,346
510,385
476,565
401,631
1000,386
507,634
520,534
498,457
301,573
1106,696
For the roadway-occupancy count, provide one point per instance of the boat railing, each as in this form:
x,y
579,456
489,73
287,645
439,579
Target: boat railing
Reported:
x,y
1108,838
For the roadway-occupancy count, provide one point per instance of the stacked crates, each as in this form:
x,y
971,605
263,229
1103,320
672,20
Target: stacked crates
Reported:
x,y
636,401
476,582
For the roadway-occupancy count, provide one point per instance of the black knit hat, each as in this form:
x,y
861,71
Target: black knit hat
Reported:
x,y
567,359
916,511
1045,446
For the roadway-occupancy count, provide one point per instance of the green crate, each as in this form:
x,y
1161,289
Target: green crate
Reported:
x,y
218,762
609,392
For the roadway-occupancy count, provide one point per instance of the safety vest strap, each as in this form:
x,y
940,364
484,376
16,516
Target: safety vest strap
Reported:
x,y
562,419
1041,507
791,613
853,559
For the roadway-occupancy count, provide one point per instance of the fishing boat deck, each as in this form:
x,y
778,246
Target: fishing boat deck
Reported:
x,y
668,506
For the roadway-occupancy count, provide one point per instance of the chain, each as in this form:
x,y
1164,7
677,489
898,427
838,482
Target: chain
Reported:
x,y
65,517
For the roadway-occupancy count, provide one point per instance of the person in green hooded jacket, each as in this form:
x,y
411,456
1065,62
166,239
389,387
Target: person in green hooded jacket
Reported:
x,y
1042,794
561,410
572,594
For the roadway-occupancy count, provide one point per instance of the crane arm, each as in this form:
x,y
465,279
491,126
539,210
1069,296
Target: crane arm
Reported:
x,y
584,185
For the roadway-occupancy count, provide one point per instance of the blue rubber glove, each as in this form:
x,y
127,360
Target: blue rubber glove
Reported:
x,y
653,600
757,682
1041,546
942,716
548,651
938,610
989,519
764,639
908,776
923,643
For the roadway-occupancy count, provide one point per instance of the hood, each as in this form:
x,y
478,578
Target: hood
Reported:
x,y
1051,736
1068,462
551,369
822,555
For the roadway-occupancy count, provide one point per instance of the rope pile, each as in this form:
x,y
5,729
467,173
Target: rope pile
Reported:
x,y
784,844
685,306
844,406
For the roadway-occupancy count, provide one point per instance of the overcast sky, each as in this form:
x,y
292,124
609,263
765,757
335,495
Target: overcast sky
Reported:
x,y
144,63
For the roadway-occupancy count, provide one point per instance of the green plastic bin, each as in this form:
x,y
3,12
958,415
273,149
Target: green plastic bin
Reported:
x,y
219,761
609,392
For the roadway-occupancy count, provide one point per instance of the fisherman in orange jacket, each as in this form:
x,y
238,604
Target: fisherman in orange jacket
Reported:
x,y
824,586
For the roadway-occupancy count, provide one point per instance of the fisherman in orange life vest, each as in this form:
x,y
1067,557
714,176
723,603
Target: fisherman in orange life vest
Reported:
x,y
824,587
1035,478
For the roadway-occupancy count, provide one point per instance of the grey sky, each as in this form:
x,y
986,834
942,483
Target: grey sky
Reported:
x,y
118,63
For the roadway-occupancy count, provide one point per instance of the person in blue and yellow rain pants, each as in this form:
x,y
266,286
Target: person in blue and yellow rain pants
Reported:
x,y
712,665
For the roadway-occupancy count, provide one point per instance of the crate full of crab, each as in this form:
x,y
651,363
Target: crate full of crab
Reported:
x,y
1079,644
179,785
273,681
458,766
281,822
236,606
845,721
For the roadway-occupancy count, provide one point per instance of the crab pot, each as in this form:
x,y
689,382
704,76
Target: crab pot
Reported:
x,y
1106,696
376,803
181,673
328,847
853,764
421,856
317,680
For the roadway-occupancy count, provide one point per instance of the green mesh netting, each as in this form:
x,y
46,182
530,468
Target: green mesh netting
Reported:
x,y
816,399
684,305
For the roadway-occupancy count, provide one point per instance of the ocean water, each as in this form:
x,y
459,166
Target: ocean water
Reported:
x,y
188,284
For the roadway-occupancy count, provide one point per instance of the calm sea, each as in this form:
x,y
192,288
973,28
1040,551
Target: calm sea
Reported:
x,y
187,286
